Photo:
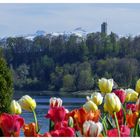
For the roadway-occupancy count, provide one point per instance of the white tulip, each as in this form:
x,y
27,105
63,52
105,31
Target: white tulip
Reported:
x,y
55,102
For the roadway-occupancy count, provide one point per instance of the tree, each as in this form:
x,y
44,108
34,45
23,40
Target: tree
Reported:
x,y
85,80
68,83
6,86
21,74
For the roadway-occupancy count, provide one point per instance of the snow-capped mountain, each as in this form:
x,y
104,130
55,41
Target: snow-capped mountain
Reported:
x,y
32,36
80,32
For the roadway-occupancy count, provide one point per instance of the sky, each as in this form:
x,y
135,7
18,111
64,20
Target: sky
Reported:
x,y
22,19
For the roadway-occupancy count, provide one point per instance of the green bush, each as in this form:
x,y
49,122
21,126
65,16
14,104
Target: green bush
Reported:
x,y
6,86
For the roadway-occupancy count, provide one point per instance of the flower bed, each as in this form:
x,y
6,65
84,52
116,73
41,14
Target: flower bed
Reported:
x,y
120,116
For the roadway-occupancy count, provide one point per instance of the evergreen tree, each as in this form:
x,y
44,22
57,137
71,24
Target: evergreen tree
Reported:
x,y
6,86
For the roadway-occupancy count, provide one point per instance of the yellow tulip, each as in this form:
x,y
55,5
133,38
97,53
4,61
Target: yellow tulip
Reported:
x,y
112,103
105,108
131,95
105,85
15,107
89,105
138,86
27,103
97,98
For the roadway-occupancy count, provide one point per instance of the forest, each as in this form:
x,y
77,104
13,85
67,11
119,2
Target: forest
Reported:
x,y
72,63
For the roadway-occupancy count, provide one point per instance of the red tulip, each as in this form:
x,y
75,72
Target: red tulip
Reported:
x,y
63,132
124,132
60,125
121,94
120,117
132,107
11,124
56,114
112,133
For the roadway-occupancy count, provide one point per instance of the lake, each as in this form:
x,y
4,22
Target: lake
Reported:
x,y
70,101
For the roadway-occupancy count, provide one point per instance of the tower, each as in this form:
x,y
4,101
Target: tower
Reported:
x,y
104,28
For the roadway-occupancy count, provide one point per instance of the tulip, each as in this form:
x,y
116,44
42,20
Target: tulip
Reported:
x,y
105,85
81,115
105,107
97,98
89,105
138,105
131,95
29,130
112,103
121,94
56,114
124,132
137,88
63,132
92,129
131,119
27,103
15,107
55,102
131,107
11,124
59,125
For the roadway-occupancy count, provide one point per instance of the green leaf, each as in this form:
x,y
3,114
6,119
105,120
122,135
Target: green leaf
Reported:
x,y
110,125
138,130
51,125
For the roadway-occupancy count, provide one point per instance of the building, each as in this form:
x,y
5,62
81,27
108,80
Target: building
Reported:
x,y
104,28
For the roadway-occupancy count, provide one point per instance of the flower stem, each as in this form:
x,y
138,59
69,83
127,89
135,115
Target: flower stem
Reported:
x,y
104,126
117,125
136,126
35,119
124,112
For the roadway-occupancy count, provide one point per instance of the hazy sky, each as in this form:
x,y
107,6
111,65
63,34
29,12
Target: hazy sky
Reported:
x,y
17,19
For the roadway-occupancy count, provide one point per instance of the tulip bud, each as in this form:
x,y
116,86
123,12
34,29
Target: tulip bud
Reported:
x,y
15,107
27,103
137,88
92,129
131,95
89,105
97,98
55,102
105,85
112,103
70,122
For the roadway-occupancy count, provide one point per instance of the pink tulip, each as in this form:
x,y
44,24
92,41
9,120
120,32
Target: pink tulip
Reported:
x,y
121,94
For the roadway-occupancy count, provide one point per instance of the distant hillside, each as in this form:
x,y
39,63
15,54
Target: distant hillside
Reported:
x,y
71,61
